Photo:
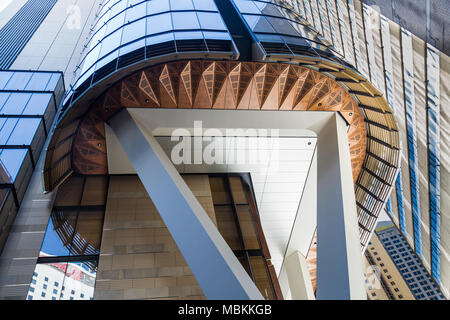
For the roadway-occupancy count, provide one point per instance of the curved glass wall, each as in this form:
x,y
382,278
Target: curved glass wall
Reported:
x,y
281,30
129,31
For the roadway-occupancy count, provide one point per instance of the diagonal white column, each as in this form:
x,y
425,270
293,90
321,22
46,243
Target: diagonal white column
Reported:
x,y
298,276
216,268
340,272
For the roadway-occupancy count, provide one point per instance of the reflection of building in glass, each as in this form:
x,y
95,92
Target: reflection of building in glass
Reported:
x,y
356,101
62,281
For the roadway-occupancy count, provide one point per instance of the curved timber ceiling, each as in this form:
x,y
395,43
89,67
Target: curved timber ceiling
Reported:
x,y
78,142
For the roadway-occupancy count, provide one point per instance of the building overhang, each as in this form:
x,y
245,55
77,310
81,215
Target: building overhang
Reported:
x,y
78,142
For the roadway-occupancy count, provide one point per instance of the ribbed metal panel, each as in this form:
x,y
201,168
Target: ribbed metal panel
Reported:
x,y
18,31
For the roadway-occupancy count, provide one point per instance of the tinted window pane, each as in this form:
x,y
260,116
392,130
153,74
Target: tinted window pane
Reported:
x,y
133,31
4,78
157,6
181,5
7,127
39,81
18,81
24,132
59,233
79,280
226,224
261,277
248,228
219,191
237,189
54,272
185,20
205,5
16,103
95,190
38,104
211,21
159,23
86,240
12,160
3,97
69,194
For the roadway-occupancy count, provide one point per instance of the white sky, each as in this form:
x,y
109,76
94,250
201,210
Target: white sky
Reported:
x,y
4,4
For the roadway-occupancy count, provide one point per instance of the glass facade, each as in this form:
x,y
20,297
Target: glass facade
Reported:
x,y
129,31
28,104
238,222
70,250
68,259
279,30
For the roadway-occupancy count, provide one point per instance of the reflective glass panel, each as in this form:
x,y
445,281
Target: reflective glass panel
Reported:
x,y
38,104
12,160
87,237
79,281
59,233
159,23
18,81
16,103
44,278
38,81
226,223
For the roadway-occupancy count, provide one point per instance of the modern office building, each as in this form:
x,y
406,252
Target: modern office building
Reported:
x,y
383,280
389,239
220,149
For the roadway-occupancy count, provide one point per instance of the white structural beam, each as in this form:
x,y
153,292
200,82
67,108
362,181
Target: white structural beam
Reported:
x,y
328,201
216,268
298,276
340,273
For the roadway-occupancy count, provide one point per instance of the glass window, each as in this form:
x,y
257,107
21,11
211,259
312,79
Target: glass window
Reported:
x,y
12,160
282,26
133,31
246,6
38,104
205,5
4,78
185,20
80,277
69,194
18,81
111,42
16,103
87,237
226,224
59,233
23,132
157,6
95,189
219,192
55,271
3,97
158,24
181,5
211,21
261,277
51,85
38,81
136,12
248,228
